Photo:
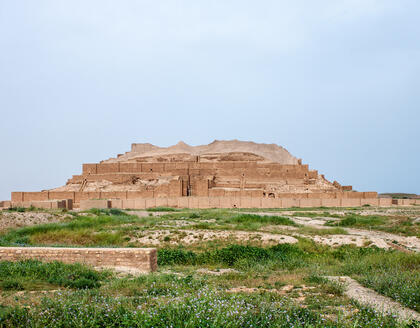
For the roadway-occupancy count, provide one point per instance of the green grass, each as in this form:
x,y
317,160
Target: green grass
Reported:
x,y
206,308
391,273
362,221
322,232
32,274
264,219
315,214
180,296
82,230
163,209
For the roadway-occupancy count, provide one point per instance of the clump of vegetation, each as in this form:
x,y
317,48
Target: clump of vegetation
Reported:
x,y
355,220
31,273
232,255
162,209
194,215
265,219
11,284
106,211
320,232
315,214
22,209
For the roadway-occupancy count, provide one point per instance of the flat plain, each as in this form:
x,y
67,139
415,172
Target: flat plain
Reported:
x,y
295,267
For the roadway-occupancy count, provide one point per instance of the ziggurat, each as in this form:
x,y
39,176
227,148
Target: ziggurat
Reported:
x,y
221,174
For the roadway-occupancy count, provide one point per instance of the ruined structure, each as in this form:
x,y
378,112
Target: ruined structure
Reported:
x,y
221,174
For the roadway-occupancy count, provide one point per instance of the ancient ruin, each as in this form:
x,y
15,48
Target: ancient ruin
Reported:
x,y
221,174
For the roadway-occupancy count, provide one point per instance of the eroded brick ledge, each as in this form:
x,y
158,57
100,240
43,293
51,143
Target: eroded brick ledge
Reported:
x,y
140,259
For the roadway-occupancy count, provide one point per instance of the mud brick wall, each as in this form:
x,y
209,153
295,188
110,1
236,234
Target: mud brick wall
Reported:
x,y
142,259
245,202
47,204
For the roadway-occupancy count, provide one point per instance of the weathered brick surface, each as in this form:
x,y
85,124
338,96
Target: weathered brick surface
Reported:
x,y
142,259
47,204
94,203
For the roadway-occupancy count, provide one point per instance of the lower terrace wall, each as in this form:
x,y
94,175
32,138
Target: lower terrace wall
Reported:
x,y
217,202
141,259
46,204
243,202
78,196
138,200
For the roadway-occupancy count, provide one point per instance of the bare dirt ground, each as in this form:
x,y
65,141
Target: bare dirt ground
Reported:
x,y
188,237
21,219
358,237
369,297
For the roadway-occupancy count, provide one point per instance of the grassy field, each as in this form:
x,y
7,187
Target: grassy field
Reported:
x,y
217,268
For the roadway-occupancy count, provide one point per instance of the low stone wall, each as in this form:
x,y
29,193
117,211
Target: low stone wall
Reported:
x,y
217,202
133,195
141,259
244,202
94,203
5,204
46,204
406,202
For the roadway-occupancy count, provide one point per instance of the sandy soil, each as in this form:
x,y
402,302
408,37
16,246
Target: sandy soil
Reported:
x,y
187,237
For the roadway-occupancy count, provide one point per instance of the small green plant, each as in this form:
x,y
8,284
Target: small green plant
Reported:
x,y
162,209
354,220
254,218
11,284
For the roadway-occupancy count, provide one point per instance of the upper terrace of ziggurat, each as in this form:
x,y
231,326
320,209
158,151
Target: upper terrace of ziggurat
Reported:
x,y
221,174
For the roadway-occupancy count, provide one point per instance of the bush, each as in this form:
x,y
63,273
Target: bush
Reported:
x,y
176,256
352,220
11,284
232,255
84,283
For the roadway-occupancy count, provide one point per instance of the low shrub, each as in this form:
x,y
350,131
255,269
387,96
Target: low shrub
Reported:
x,y
354,220
176,256
231,255
266,219
11,284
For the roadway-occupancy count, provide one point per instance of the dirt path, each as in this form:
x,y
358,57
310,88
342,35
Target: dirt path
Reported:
x,y
371,298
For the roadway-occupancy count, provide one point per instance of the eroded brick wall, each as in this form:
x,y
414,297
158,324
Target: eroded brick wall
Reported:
x,y
142,259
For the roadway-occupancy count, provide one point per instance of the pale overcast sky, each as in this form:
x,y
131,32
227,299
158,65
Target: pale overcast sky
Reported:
x,y
337,83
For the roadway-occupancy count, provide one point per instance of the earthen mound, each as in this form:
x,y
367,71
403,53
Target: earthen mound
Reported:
x,y
234,148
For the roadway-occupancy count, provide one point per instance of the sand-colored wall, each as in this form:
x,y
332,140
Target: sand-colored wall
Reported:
x,y
142,259
47,204
170,194
243,202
